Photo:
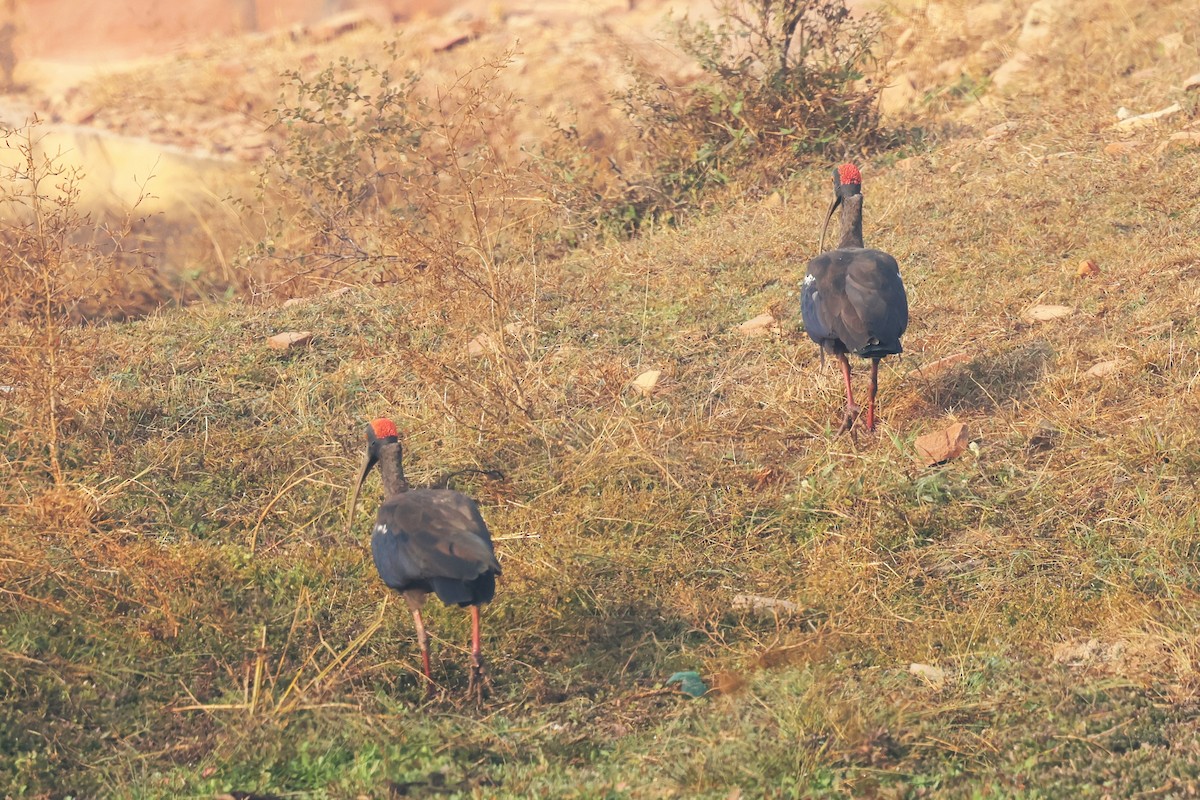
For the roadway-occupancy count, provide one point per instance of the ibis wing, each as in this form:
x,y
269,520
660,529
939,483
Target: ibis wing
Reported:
x,y
873,287
829,315
429,534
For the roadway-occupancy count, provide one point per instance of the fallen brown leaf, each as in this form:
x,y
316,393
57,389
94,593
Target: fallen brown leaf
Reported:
x,y
943,445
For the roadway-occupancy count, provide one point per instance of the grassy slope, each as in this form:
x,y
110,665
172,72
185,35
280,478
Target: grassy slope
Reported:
x,y
186,615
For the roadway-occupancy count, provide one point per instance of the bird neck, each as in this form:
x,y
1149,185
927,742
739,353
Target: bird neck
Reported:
x,y
851,222
391,469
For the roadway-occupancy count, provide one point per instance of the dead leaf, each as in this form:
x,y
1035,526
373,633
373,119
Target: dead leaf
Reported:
x,y
289,340
1103,368
1192,83
647,381
943,445
1046,313
759,326
1087,269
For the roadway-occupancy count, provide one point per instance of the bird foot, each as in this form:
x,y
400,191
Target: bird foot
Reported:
x,y
852,412
479,685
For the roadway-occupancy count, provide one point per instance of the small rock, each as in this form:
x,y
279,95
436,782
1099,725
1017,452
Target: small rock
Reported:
x,y
951,68
1171,42
897,95
292,302
83,115
1150,118
759,326
1122,148
290,340
997,134
988,18
647,381
1010,70
1047,313
480,345
943,445
1039,24
338,25
1087,269
448,43
942,364
1003,129
1104,368
518,329
754,602
1124,113
1183,140
1192,83
934,676
1087,653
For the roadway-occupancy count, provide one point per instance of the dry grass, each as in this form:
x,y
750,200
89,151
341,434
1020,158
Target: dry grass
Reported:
x,y
182,617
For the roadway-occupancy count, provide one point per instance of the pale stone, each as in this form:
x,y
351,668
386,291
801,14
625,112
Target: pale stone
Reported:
x,y
289,340
1045,313
897,96
759,326
986,19
754,602
1122,148
1150,118
1103,368
934,676
1183,140
480,345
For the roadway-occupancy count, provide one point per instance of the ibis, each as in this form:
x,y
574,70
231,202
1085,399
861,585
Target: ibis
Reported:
x,y
428,541
853,300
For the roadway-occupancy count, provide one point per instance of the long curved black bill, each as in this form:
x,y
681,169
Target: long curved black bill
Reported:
x,y
837,201
368,462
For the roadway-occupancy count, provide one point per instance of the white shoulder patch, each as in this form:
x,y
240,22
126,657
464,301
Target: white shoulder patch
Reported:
x,y
380,528
809,279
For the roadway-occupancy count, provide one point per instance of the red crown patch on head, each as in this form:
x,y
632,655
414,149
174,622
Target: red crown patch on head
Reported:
x,y
848,173
384,428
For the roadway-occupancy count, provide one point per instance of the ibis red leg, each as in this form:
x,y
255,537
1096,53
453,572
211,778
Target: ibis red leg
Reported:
x,y
851,408
423,642
871,400
475,685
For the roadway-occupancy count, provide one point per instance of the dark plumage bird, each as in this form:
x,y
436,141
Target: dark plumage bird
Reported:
x,y
428,540
853,300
